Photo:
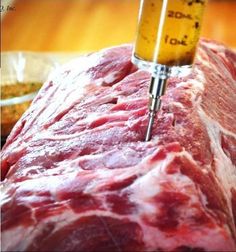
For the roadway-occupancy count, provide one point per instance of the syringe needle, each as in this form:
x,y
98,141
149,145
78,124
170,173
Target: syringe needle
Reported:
x,y
150,124
156,90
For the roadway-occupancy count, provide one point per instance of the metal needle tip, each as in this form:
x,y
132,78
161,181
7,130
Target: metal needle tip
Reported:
x,y
149,128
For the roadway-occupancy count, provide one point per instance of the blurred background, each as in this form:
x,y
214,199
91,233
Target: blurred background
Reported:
x,y
68,28
89,25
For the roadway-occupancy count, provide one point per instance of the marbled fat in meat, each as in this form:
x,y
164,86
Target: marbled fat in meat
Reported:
x,y
77,175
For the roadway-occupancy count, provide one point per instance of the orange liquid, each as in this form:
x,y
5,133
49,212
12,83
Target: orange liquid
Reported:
x,y
168,31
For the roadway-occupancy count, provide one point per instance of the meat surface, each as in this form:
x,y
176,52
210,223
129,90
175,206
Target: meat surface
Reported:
x,y
77,175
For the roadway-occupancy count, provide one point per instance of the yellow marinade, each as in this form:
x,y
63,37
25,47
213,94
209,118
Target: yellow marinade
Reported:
x,y
169,30
10,114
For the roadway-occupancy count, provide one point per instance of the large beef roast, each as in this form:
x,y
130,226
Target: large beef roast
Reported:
x,y
77,175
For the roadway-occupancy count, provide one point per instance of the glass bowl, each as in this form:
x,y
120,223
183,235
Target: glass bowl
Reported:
x,y
22,75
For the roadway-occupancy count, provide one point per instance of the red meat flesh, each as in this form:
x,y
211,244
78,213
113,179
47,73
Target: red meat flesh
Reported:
x,y
77,175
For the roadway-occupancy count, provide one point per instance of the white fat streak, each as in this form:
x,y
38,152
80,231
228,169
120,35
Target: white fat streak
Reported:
x,y
150,180
212,239
89,119
207,63
107,79
215,124
39,183
28,234
225,171
199,81
144,188
213,67
203,170
4,195
76,67
214,130
153,237
213,46
149,185
178,104
199,57
17,238
195,85
118,175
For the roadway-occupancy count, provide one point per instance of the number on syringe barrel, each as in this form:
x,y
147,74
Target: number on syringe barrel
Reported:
x,y
175,41
180,30
179,15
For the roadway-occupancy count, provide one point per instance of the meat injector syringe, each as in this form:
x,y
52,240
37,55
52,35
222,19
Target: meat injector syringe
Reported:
x,y
167,37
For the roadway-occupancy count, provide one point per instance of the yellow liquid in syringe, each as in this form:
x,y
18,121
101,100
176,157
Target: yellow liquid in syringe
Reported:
x,y
168,31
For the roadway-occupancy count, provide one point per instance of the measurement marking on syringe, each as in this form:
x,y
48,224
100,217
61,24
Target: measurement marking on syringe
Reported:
x,y
175,41
179,15
168,31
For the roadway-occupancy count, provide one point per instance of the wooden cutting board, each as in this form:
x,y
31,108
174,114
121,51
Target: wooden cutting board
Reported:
x,y
88,25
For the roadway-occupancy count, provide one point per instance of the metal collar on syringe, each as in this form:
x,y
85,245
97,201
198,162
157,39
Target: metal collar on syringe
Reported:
x,y
160,74
165,72
160,71
157,87
158,83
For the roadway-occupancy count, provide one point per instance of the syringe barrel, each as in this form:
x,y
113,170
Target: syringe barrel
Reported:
x,y
168,31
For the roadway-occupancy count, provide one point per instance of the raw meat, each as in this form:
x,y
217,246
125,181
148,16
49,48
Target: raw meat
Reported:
x,y
77,175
